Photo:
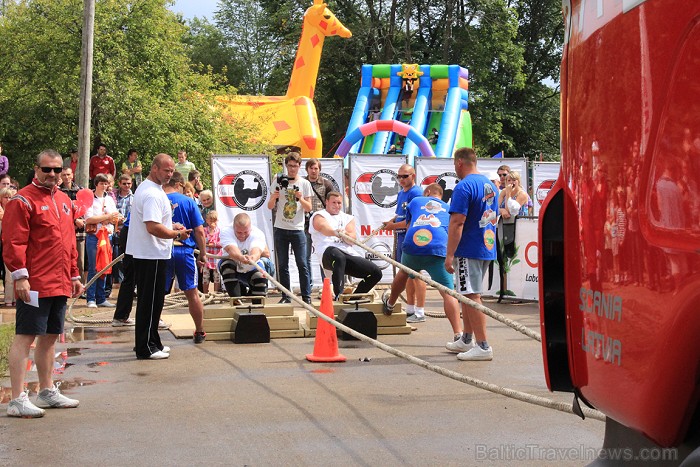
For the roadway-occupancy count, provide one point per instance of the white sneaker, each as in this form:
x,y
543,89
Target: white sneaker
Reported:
x,y
459,346
52,398
476,354
166,349
160,355
123,322
414,318
163,325
91,305
106,304
386,308
22,407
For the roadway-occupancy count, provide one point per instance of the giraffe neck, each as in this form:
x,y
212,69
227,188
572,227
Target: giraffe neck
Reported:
x,y
307,61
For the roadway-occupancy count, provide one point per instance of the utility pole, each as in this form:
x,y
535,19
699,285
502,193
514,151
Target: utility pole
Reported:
x,y
85,101
86,92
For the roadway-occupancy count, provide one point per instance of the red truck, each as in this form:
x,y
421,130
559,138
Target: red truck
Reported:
x,y
619,232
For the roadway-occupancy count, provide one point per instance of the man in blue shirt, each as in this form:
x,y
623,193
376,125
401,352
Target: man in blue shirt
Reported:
x,y
470,248
424,248
415,288
182,263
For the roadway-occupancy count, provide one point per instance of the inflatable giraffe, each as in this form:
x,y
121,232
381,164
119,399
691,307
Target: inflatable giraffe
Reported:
x,y
291,120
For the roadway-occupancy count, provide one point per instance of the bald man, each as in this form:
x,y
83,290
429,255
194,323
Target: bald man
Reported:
x,y
151,235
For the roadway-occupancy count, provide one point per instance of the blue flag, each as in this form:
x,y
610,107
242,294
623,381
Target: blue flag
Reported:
x,y
498,156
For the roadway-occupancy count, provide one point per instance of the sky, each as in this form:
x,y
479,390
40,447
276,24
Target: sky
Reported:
x,y
192,8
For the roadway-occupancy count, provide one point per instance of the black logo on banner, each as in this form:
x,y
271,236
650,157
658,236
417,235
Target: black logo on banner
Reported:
x,y
246,190
380,188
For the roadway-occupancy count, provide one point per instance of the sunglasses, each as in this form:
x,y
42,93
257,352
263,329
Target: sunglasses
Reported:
x,y
403,176
46,170
502,175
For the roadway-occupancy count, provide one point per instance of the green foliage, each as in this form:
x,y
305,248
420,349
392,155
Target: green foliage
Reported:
x,y
511,48
7,333
146,93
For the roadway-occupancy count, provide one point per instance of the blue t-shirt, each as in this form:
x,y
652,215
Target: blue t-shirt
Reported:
x,y
402,201
476,197
186,212
428,219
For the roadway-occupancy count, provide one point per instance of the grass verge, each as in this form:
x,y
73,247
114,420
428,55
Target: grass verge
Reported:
x,y
7,333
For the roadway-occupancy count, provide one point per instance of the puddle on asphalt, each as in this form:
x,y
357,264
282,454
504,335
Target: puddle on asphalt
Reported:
x,y
96,364
75,351
99,335
33,387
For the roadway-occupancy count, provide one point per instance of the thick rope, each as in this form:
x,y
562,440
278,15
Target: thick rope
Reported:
x,y
76,320
461,298
173,300
512,393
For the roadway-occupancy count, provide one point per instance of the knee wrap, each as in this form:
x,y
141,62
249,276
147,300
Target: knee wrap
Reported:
x,y
258,284
228,278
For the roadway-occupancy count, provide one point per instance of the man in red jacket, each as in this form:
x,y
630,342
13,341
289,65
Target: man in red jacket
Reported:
x,y
101,163
41,216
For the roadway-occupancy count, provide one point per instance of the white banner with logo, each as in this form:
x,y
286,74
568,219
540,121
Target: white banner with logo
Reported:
x,y
374,188
521,279
242,184
544,174
434,170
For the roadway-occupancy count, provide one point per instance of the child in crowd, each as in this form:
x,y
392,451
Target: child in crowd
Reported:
x,y
189,191
213,241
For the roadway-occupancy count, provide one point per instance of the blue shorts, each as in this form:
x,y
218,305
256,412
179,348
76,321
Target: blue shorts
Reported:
x,y
433,265
47,319
400,236
184,266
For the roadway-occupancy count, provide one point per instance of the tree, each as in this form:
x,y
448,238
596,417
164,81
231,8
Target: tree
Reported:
x,y
207,49
244,28
145,94
511,48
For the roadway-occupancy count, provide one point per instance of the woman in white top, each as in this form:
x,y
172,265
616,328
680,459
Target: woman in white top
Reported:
x,y
512,199
102,213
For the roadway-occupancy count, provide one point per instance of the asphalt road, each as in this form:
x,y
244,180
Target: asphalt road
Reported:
x,y
265,404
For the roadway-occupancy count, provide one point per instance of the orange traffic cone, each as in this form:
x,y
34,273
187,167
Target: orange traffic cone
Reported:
x,y
326,343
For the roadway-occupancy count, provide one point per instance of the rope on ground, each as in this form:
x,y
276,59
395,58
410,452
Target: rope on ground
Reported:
x,y
173,300
461,298
76,320
512,393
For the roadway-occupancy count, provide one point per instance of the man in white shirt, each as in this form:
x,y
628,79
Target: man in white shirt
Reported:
x,y
334,253
294,194
151,235
244,244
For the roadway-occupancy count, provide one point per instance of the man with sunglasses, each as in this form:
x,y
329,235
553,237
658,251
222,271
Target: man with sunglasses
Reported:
x,y
415,288
502,172
42,222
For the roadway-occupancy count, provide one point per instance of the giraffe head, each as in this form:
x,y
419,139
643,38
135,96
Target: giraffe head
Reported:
x,y
320,16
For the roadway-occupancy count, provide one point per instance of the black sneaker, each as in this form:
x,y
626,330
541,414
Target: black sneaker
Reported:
x,y
285,300
306,300
386,308
199,337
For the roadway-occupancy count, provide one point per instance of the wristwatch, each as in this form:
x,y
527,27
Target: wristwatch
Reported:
x,y
177,237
